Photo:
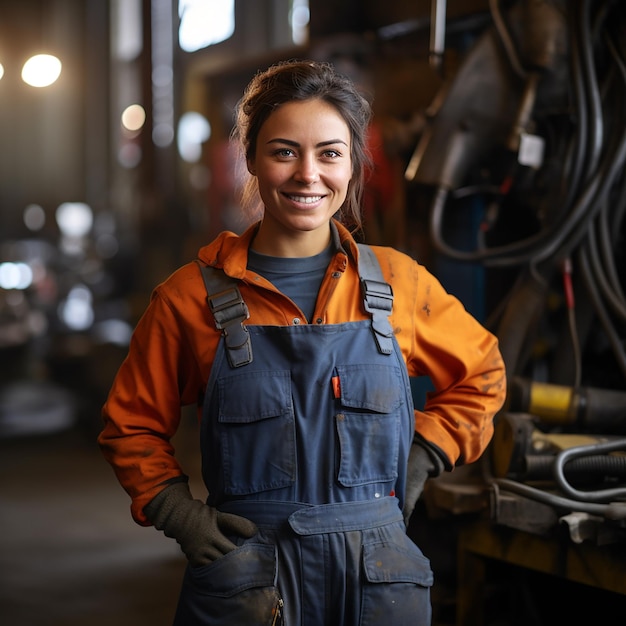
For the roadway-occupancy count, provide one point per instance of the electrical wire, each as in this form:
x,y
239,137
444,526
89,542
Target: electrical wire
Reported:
x,y
610,295
570,303
587,151
609,233
506,39
613,511
611,333
592,94
599,495
588,183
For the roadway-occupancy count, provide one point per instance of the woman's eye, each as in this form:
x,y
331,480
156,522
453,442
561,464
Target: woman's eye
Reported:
x,y
284,152
331,154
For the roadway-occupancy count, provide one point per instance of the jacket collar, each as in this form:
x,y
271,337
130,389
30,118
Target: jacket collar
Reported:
x,y
230,251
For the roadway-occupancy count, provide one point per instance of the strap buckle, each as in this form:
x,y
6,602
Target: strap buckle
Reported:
x,y
378,302
228,307
229,311
377,296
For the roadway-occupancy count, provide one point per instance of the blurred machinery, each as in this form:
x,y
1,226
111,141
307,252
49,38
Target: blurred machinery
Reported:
x,y
64,325
533,125
532,130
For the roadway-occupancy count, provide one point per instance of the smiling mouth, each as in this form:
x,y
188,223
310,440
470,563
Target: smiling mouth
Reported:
x,y
304,199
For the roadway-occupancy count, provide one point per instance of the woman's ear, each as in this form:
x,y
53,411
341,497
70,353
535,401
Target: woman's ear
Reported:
x,y
250,166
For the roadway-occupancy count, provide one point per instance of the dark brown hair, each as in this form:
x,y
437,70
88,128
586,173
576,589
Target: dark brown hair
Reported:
x,y
290,81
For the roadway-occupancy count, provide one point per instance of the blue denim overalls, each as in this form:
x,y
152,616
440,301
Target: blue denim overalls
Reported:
x,y
306,431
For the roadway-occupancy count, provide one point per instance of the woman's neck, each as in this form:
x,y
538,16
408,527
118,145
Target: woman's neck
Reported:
x,y
291,245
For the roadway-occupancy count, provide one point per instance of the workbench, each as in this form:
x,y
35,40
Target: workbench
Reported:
x,y
481,543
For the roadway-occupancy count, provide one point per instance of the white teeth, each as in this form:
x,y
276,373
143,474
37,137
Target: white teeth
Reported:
x,y
306,199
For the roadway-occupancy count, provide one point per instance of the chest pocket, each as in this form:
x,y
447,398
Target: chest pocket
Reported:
x,y
368,423
257,431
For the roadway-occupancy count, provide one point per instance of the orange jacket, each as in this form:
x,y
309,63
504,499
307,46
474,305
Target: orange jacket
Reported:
x,y
173,346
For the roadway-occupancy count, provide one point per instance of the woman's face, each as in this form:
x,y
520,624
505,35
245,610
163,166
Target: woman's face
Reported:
x,y
303,167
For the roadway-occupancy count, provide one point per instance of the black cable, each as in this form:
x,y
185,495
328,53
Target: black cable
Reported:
x,y
603,173
578,116
600,495
613,231
600,278
612,336
613,511
521,252
612,213
607,241
592,94
589,203
562,237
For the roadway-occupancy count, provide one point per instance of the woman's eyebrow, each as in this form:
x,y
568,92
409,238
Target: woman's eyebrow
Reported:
x,y
295,144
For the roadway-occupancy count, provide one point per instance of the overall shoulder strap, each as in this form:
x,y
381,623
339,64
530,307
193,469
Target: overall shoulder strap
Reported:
x,y
229,311
377,298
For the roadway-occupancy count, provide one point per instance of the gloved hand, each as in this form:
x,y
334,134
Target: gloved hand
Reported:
x,y
422,465
198,528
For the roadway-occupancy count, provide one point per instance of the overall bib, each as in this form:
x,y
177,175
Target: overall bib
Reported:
x,y
309,439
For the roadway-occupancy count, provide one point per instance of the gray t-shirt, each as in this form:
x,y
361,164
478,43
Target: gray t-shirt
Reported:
x,y
298,278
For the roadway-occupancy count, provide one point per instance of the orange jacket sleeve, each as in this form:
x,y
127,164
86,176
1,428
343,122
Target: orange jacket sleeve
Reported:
x,y
164,370
441,340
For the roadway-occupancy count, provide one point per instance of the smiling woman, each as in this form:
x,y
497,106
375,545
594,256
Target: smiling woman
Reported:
x,y
291,83
300,367
303,167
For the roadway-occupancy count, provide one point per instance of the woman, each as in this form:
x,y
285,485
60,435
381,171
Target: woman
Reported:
x,y
313,455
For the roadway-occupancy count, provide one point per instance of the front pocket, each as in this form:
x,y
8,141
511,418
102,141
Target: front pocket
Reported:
x,y
397,587
371,387
238,588
257,436
368,423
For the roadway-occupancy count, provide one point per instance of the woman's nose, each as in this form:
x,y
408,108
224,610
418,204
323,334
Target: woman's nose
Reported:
x,y
307,171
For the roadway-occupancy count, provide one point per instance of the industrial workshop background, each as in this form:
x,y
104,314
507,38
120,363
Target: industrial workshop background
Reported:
x,y
500,165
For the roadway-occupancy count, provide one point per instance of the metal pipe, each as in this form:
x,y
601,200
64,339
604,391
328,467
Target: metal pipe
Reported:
x,y
437,33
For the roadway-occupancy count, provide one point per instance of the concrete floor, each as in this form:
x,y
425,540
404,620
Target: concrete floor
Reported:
x,y
70,554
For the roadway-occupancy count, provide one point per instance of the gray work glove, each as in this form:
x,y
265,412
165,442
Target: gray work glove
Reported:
x,y
199,529
423,464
